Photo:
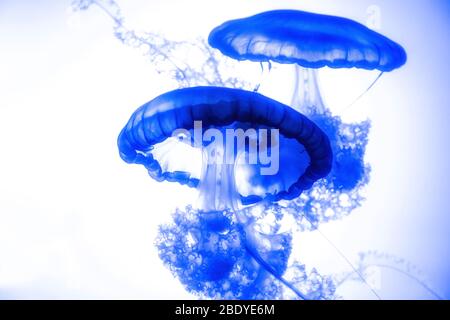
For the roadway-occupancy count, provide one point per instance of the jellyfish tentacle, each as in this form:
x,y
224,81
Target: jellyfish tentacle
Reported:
x,y
343,256
363,93
120,25
309,39
306,98
221,109
207,252
250,245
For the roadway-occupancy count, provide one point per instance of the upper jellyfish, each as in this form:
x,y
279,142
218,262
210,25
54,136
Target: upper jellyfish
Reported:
x,y
310,40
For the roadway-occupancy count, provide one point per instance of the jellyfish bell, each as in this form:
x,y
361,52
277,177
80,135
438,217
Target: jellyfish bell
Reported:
x,y
310,41
224,181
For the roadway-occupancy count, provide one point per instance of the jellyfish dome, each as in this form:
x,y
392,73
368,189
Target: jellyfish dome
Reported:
x,y
175,137
308,39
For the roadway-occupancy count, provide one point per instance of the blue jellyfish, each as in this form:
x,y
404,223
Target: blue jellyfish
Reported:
x,y
311,41
304,150
184,136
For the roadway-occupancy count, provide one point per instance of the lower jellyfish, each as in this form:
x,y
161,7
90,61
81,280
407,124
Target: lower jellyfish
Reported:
x,y
216,250
195,237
